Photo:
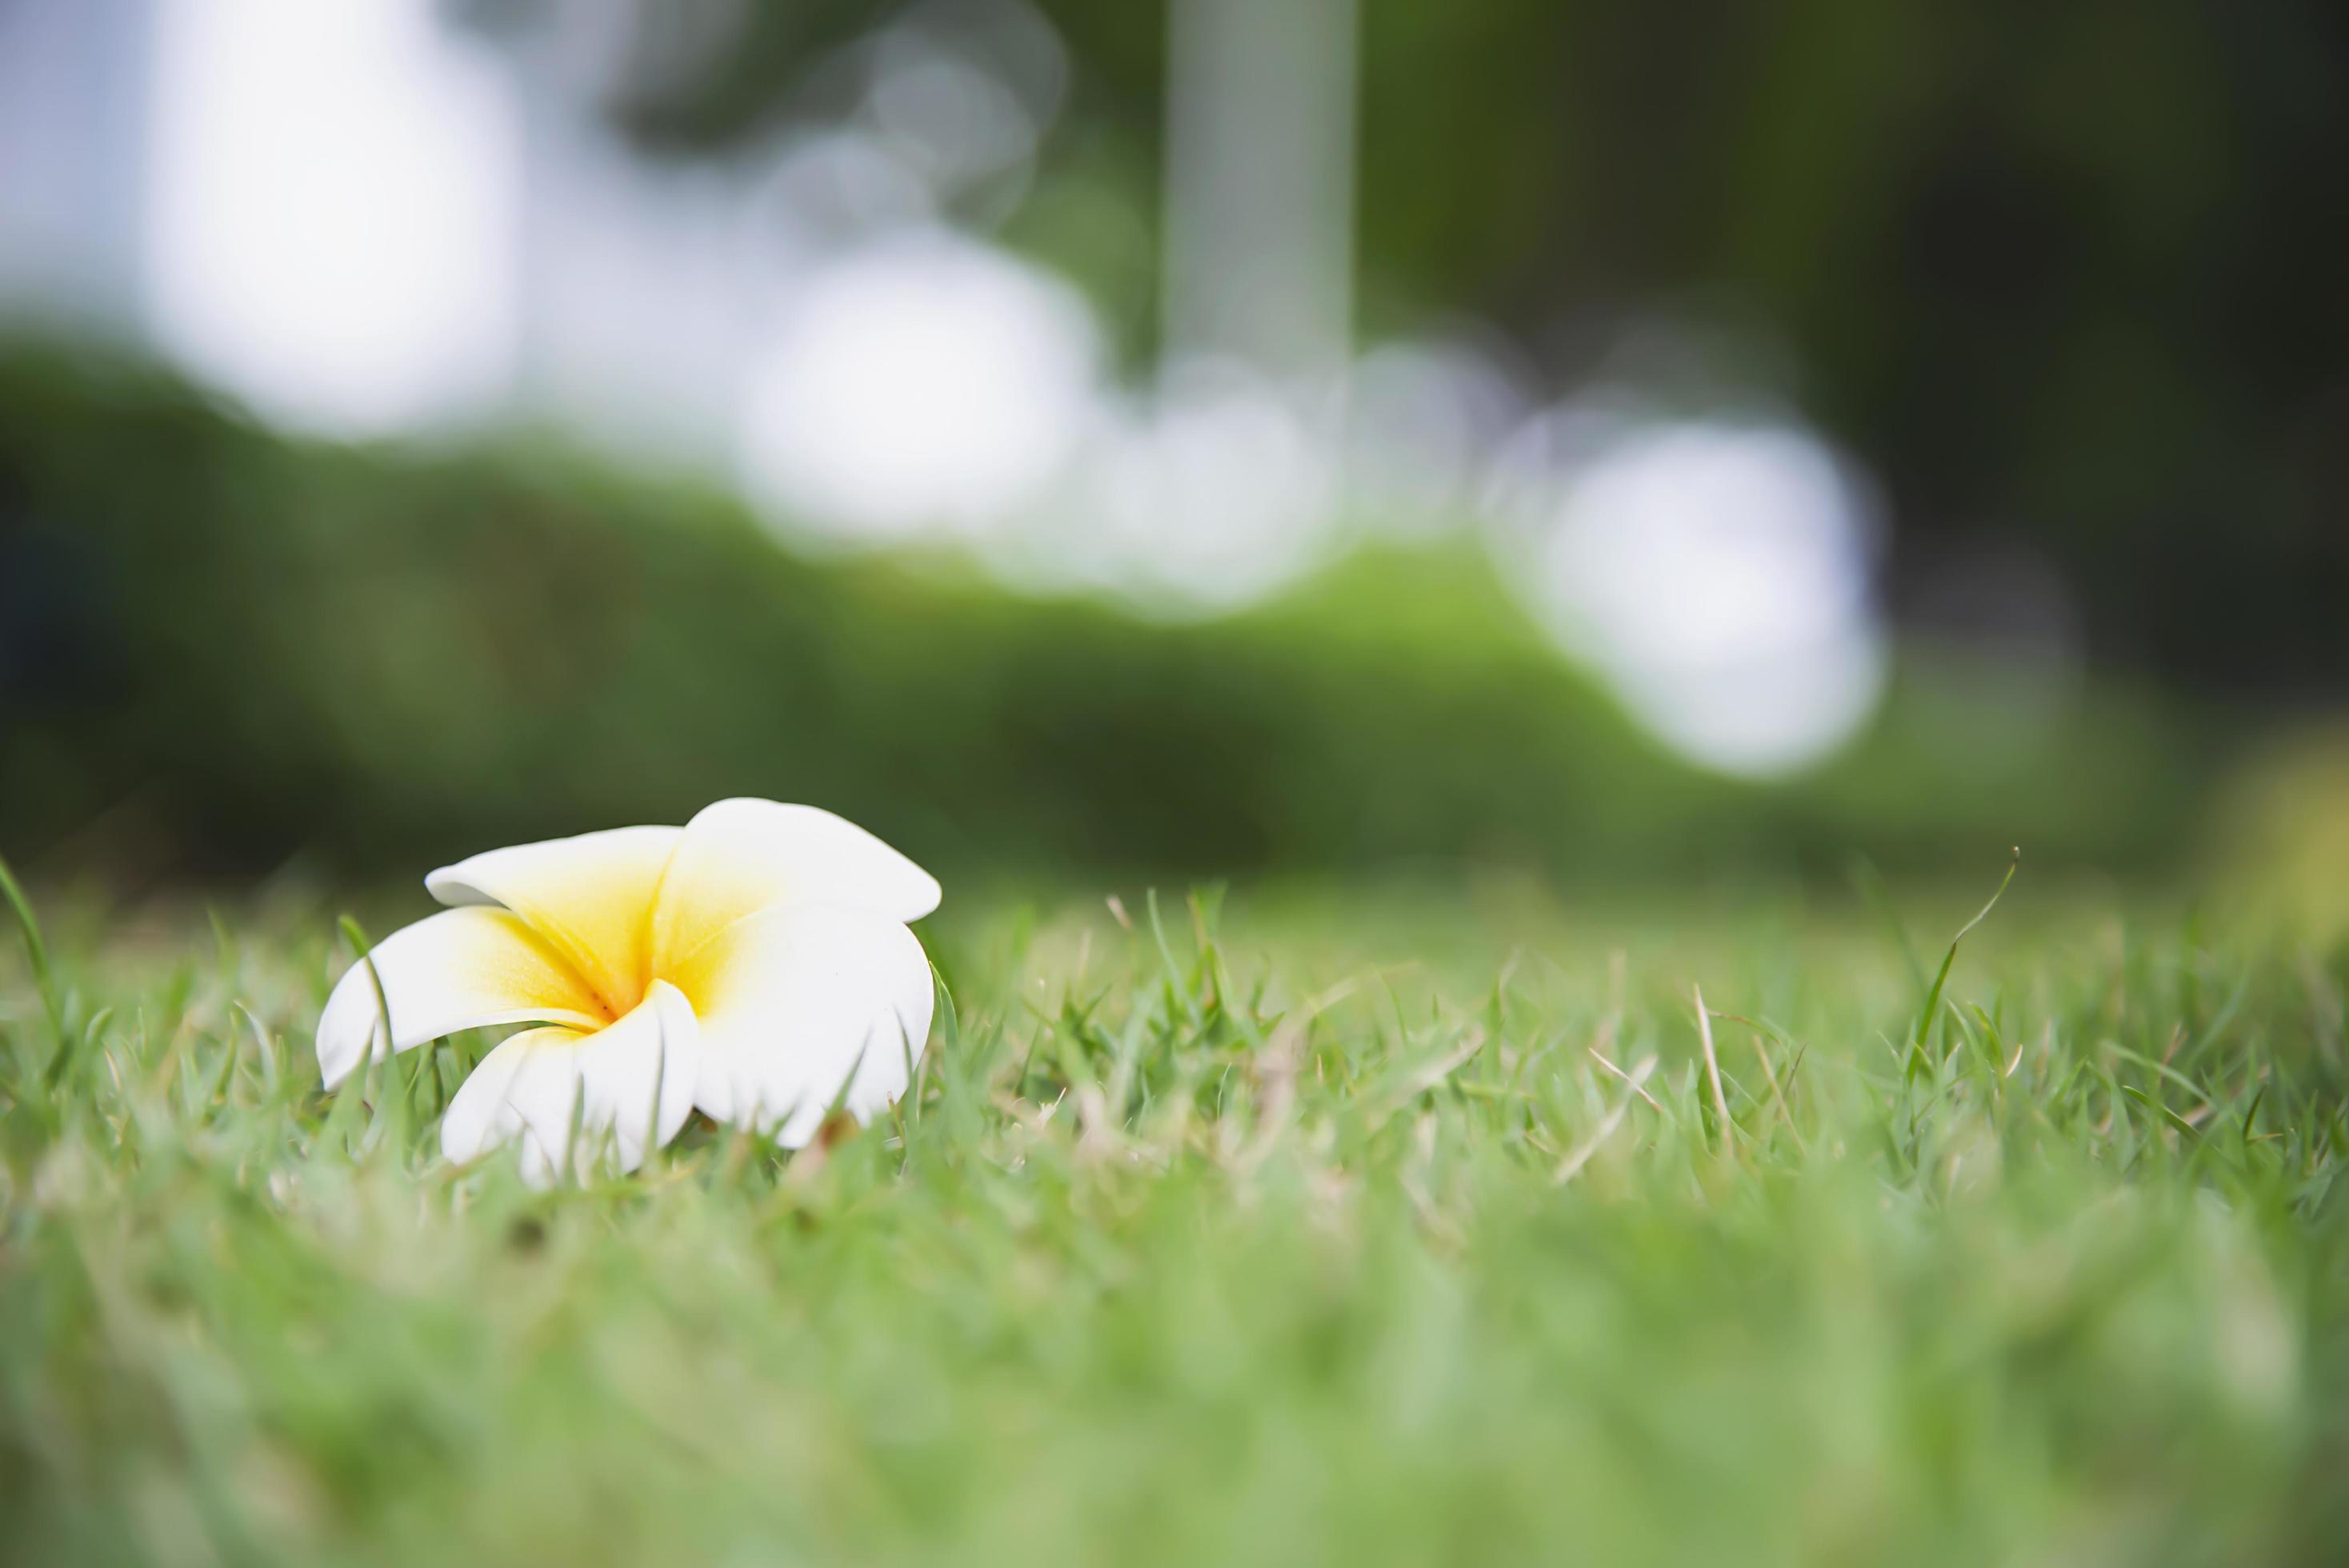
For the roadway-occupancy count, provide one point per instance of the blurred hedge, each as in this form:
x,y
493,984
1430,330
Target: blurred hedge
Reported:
x,y
219,648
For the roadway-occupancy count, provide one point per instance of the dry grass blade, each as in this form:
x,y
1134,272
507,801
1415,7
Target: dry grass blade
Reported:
x,y
1580,1155
1276,1066
1627,1078
1711,1060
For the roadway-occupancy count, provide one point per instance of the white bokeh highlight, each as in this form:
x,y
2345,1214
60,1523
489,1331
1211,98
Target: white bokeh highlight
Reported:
x,y
920,382
329,214
1209,491
1718,576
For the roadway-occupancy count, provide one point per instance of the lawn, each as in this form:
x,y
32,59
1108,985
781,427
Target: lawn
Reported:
x,y
1320,1228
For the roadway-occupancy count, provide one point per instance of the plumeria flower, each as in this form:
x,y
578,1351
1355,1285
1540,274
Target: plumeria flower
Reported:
x,y
753,964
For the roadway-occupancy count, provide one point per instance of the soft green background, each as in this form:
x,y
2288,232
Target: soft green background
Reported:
x,y
236,649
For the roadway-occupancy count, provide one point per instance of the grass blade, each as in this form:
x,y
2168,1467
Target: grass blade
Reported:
x,y
37,953
1950,959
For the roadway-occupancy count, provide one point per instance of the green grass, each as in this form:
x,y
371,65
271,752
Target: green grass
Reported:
x,y
1307,1231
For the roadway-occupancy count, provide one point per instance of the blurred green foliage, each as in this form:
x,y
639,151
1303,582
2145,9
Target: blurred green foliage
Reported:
x,y
2068,279
220,648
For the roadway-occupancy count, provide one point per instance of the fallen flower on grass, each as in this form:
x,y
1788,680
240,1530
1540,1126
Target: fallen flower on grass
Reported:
x,y
754,964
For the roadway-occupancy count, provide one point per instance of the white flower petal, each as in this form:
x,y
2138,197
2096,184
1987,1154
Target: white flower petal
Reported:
x,y
479,1116
533,1085
461,969
792,1001
740,857
591,896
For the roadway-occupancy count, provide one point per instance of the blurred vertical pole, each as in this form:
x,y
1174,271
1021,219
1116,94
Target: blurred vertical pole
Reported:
x,y
1260,186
